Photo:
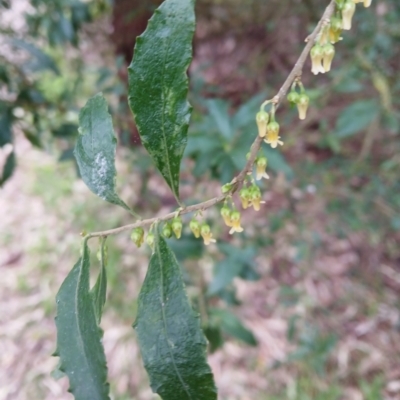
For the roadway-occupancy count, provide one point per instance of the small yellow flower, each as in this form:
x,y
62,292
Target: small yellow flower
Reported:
x,y
235,218
329,53
256,197
347,14
205,232
335,29
316,55
195,227
137,236
273,135
226,215
302,105
245,197
261,165
176,226
262,118
150,239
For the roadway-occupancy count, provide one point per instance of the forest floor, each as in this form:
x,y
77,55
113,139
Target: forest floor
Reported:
x,y
346,341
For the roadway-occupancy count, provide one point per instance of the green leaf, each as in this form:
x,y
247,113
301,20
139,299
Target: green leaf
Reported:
x,y
219,112
79,336
226,270
231,325
95,150
356,117
99,290
238,263
170,338
158,86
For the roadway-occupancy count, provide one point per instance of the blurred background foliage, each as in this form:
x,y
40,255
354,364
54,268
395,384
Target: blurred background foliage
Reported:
x,y
308,296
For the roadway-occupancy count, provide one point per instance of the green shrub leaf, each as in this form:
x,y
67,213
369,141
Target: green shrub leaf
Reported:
x,y
95,150
99,290
356,117
170,338
158,86
79,335
231,325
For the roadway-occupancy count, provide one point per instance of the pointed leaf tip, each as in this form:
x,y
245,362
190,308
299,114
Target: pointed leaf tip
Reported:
x,y
158,86
95,150
171,341
79,337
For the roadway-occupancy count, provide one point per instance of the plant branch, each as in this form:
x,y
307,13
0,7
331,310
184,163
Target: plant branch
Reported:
x,y
238,181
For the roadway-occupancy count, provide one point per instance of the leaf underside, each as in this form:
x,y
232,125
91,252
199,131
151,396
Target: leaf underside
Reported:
x,y
79,336
95,150
158,86
171,341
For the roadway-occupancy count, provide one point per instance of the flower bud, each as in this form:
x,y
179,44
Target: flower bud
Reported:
x,y
316,55
177,226
195,227
150,239
347,14
245,197
261,165
235,218
226,188
205,232
329,52
137,236
262,118
273,135
293,97
167,230
255,197
335,29
302,105
226,215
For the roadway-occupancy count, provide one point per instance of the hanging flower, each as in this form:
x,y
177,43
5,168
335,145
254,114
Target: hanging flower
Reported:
x,y
273,135
293,97
150,239
255,197
329,52
245,197
195,227
262,118
205,232
347,14
226,215
167,230
176,226
137,236
335,29
316,55
302,105
261,165
235,218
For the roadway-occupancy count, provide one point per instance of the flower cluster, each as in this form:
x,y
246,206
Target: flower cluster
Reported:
x,y
268,130
250,196
323,51
301,100
231,218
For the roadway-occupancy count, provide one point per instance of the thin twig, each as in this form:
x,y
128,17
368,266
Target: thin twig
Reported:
x,y
237,182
